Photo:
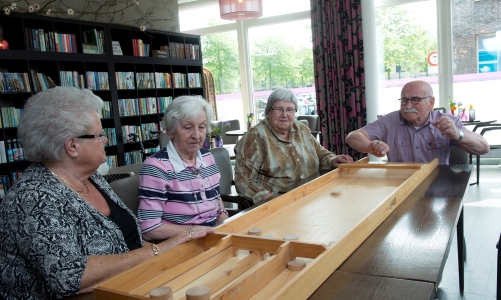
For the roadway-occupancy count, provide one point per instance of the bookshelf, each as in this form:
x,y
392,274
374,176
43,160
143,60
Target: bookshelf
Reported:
x,y
45,51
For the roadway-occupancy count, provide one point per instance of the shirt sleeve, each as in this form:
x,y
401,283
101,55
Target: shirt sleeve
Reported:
x,y
51,244
250,156
152,194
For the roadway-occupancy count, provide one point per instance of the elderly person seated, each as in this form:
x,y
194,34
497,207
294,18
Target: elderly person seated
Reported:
x,y
179,185
279,151
63,230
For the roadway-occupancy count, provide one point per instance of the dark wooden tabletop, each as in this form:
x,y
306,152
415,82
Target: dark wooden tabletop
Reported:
x,y
343,285
414,241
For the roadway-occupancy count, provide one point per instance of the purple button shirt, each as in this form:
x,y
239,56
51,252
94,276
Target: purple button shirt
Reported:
x,y
408,144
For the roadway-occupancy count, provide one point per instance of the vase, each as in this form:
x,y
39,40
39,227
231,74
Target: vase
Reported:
x,y
471,115
219,141
249,125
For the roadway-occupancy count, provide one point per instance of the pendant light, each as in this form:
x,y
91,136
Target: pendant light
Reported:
x,y
240,9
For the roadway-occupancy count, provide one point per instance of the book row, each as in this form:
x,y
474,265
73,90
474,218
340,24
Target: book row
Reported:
x,y
135,157
7,181
106,112
38,40
142,106
13,152
139,48
151,80
10,116
14,82
143,132
71,78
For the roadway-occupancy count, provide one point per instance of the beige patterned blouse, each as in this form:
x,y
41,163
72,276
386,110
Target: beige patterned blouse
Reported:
x,y
266,163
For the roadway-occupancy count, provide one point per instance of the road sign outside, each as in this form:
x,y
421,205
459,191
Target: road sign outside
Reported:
x,y
433,59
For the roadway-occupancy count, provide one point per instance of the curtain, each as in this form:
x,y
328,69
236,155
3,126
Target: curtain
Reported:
x,y
339,71
210,91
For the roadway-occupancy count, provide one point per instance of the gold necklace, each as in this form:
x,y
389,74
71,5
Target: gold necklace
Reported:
x,y
78,192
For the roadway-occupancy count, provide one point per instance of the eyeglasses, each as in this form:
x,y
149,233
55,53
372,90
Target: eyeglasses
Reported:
x,y
414,100
93,136
280,111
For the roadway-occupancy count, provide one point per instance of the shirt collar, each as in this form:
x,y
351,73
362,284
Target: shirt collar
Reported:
x,y
406,123
177,162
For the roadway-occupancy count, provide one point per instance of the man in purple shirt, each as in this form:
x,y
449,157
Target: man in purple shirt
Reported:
x,y
416,133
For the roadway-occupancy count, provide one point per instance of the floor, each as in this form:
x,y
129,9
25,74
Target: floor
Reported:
x,y
482,225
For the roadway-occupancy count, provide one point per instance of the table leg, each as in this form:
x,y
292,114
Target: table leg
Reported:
x,y
461,245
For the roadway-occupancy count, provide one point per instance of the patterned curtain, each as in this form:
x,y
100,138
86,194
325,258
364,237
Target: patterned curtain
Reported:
x,y
339,71
210,91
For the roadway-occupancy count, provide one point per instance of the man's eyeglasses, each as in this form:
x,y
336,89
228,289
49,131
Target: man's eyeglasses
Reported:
x,y
279,111
414,100
92,136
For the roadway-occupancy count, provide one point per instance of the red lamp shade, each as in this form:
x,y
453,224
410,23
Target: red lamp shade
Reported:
x,y
240,9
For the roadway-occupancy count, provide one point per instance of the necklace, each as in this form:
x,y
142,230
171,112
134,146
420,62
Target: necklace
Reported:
x,y
78,192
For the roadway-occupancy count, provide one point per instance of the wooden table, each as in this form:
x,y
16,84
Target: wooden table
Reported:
x,y
410,246
481,123
397,243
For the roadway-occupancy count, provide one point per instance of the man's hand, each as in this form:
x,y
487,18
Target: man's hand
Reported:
x,y
447,127
378,148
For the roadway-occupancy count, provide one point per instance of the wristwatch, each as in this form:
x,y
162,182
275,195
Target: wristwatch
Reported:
x,y
461,136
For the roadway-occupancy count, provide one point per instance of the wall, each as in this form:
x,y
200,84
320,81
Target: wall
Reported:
x,y
153,14
472,18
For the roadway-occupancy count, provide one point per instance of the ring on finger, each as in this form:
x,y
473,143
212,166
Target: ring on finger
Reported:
x,y
378,143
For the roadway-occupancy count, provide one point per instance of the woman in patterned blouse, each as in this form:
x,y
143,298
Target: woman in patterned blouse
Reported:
x,y
279,151
62,228
179,185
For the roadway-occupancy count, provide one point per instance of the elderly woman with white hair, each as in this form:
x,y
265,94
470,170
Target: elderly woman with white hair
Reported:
x,y
179,185
279,151
63,229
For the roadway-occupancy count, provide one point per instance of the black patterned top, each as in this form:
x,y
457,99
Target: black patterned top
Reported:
x,y
47,233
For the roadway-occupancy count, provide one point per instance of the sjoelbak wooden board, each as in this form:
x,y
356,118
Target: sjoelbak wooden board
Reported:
x,y
331,216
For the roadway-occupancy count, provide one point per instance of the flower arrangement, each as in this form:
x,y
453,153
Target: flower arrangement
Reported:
x,y
217,129
111,11
250,117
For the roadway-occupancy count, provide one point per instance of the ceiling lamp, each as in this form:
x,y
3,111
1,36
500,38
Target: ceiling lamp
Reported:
x,y
240,9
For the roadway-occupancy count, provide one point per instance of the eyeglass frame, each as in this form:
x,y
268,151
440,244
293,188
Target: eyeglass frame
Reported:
x,y
93,136
414,100
279,110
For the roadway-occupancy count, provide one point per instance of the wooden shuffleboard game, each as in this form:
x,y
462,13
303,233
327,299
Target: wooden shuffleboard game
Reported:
x,y
283,249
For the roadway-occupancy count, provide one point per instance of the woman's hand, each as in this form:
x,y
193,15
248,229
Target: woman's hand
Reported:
x,y
223,216
342,159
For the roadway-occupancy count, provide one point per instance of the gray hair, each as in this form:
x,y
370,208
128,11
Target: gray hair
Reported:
x,y
280,94
185,108
52,116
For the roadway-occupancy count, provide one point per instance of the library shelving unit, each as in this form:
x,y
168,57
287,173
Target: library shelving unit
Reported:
x,y
46,51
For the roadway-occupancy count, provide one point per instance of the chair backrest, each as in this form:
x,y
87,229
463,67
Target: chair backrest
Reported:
x,y
234,125
222,158
134,168
440,109
305,122
313,121
458,157
126,189
163,139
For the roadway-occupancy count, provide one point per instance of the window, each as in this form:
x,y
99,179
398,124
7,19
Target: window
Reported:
x,y
488,49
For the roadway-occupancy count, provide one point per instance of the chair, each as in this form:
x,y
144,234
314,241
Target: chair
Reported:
x,y
498,285
305,122
222,159
163,139
441,109
126,189
234,125
457,156
313,123
485,128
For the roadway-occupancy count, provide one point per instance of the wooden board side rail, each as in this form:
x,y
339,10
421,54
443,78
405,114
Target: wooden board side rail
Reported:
x,y
328,228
